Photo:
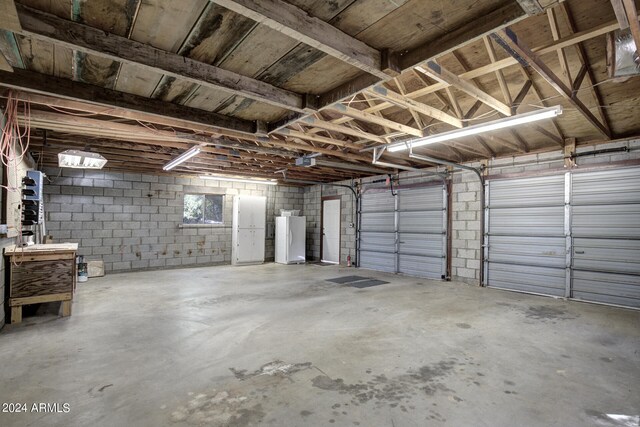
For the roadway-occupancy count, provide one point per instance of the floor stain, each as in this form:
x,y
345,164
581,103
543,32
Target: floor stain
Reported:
x,y
277,367
305,413
219,408
383,390
463,325
545,312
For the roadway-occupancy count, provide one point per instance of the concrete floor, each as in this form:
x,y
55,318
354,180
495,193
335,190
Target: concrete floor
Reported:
x,y
279,345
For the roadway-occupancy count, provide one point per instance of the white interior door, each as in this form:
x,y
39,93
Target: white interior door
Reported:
x,y
331,231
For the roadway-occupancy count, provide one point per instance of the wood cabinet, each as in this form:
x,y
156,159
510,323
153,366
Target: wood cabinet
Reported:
x,y
41,273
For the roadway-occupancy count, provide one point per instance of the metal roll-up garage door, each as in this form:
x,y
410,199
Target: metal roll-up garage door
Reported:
x,y
525,236
378,230
422,242
405,233
606,236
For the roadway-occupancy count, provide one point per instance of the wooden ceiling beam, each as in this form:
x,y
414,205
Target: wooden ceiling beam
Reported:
x,y
402,101
63,93
574,39
323,124
562,57
584,59
521,95
504,88
621,14
441,74
559,139
634,26
10,20
299,25
403,91
83,38
471,30
372,118
515,47
322,139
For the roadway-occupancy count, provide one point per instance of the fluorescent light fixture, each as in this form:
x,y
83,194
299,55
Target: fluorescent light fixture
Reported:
x,y
81,160
182,158
545,113
250,181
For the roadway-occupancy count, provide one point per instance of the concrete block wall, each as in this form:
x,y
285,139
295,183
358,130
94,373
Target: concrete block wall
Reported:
x,y
134,221
465,227
312,210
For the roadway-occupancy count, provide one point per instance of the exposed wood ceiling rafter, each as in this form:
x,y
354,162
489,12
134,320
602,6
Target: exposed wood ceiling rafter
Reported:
x,y
299,25
91,40
517,48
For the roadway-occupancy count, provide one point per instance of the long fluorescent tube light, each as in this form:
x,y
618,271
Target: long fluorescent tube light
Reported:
x,y
250,181
182,158
81,160
545,113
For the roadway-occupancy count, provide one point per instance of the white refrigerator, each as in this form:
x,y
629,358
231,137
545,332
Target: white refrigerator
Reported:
x,y
290,239
248,235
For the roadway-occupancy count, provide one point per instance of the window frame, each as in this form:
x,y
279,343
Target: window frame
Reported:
x,y
203,224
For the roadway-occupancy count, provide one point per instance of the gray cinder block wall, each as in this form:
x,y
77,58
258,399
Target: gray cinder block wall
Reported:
x,y
312,210
466,210
133,221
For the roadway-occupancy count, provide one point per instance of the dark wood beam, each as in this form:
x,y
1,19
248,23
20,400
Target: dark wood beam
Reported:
x,y
634,26
441,74
516,48
472,30
89,98
79,37
299,25
9,15
520,96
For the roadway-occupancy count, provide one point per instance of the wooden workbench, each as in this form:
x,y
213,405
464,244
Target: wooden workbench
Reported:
x,y
41,273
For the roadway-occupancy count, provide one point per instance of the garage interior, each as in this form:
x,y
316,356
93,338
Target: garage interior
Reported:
x,y
297,212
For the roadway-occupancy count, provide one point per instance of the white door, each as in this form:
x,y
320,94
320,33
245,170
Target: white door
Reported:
x,y
331,231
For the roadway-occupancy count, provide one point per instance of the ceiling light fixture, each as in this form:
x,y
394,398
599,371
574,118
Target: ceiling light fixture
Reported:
x,y
182,158
545,113
250,181
81,160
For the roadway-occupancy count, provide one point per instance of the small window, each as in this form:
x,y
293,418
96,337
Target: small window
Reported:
x,y
203,209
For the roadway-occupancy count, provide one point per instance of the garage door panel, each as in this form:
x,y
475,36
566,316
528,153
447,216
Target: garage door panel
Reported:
x,y
420,266
378,261
607,288
606,187
375,201
610,255
378,221
421,244
421,222
377,242
542,221
542,280
607,220
527,192
421,199
541,251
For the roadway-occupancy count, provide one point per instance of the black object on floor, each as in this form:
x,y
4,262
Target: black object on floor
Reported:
x,y
367,283
347,279
357,281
